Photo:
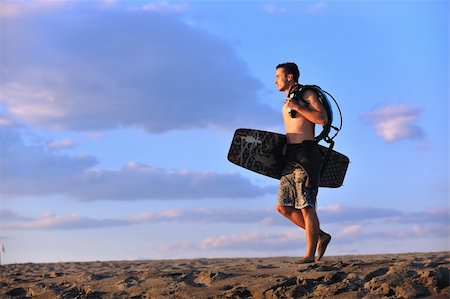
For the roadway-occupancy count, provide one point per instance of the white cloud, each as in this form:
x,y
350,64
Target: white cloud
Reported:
x,y
164,7
100,69
65,222
32,170
351,230
61,144
337,213
274,9
50,221
13,220
427,216
253,240
18,8
249,216
78,178
247,241
157,216
333,208
132,184
293,238
227,241
430,229
206,216
396,122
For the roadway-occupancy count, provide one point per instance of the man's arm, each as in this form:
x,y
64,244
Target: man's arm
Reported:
x,y
313,111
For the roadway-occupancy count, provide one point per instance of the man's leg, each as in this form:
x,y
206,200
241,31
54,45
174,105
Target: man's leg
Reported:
x,y
292,214
312,231
322,244
296,216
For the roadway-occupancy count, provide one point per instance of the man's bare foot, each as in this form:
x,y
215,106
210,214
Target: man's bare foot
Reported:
x,y
324,239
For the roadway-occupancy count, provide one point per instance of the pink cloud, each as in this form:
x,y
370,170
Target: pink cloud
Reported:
x,y
61,144
396,122
252,240
50,221
350,230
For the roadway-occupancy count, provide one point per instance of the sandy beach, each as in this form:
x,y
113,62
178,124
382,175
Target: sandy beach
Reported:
x,y
409,275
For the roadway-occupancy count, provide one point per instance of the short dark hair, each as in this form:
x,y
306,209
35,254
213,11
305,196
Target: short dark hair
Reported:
x,y
290,68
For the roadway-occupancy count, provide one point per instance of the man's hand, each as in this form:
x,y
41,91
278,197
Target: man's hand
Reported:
x,y
295,105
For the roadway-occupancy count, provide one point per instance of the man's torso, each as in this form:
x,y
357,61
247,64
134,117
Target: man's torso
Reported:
x,y
298,128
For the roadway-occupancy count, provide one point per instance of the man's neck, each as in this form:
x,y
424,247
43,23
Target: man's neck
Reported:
x,y
287,90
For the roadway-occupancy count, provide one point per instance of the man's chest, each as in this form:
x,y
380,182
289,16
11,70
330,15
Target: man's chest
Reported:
x,y
295,122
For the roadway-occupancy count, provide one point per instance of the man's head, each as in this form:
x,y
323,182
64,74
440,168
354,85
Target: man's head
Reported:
x,y
287,74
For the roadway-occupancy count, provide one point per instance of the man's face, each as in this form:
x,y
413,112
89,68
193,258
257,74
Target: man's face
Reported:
x,y
281,79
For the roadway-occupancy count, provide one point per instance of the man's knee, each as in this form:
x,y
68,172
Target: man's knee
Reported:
x,y
281,209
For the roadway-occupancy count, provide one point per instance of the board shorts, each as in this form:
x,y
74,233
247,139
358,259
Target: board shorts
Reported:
x,y
299,183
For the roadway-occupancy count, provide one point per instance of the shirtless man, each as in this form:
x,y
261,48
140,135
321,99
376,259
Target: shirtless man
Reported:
x,y
299,184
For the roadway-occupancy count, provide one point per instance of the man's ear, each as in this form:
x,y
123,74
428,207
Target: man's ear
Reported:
x,y
290,77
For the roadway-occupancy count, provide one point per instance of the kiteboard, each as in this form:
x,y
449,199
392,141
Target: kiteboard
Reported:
x,y
263,152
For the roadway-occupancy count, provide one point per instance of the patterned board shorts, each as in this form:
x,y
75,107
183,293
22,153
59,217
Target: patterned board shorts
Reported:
x,y
300,180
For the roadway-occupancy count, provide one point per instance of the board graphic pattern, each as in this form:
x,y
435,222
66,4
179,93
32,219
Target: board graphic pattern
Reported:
x,y
262,152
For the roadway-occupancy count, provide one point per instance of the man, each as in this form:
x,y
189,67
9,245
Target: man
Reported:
x,y
300,178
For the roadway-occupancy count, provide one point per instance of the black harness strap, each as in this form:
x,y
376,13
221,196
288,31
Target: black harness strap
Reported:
x,y
296,93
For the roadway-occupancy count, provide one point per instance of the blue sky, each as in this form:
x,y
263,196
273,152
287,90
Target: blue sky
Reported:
x,y
116,119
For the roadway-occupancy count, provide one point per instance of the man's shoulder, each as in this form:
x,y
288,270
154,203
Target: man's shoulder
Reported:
x,y
310,93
